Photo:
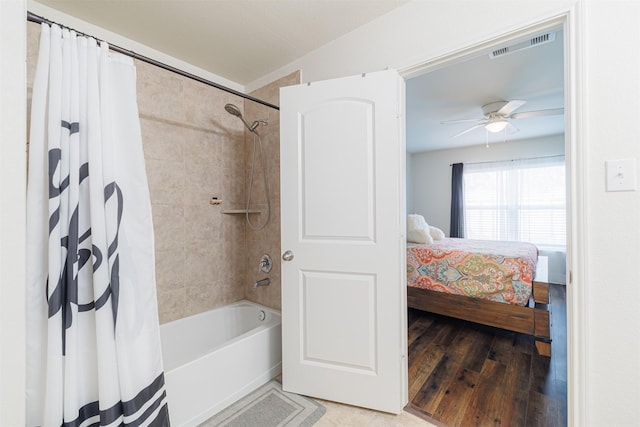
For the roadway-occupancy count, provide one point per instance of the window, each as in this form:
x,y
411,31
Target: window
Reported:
x,y
521,200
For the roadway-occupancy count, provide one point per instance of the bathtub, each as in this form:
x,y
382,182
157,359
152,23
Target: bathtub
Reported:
x,y
214,358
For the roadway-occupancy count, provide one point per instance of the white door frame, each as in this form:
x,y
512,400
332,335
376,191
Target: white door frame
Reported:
x,y
13,182
575,154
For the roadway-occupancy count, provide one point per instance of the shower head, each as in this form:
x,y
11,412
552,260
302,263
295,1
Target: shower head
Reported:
x,y
233,110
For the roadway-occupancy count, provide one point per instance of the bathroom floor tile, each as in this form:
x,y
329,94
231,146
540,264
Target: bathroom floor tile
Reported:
x,y
345,415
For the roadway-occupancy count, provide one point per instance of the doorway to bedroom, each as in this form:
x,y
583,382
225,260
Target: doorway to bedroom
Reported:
x,y
499,111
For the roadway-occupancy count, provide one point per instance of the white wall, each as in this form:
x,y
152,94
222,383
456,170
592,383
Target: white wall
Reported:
x,y
430,177
418,31
12,214
604,345
612,76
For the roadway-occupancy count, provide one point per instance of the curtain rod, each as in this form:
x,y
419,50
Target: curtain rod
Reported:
x,y
40,19
511,160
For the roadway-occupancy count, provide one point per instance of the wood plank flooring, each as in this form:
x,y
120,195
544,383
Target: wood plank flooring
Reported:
x,y
465,374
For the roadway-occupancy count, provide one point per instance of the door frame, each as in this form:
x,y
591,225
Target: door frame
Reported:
x,y
13,184
577,320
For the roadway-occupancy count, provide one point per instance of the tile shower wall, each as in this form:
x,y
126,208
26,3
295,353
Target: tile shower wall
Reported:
x,y
266,240
194,150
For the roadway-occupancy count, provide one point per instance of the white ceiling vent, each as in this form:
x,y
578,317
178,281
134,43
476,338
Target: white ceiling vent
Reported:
x,y
533,41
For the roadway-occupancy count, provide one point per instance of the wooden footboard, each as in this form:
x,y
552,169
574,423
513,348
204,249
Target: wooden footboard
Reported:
x,y
541,301
530,320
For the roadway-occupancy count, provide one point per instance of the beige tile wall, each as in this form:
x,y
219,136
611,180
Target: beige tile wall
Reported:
x,y
194,150
266,240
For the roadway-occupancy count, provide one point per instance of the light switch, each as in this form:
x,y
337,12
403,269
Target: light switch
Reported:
x,y
621,175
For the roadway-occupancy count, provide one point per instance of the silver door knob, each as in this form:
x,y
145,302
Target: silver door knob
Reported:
x,y
287,256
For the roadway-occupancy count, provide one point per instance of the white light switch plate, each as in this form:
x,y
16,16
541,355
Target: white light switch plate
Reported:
x,y
621,175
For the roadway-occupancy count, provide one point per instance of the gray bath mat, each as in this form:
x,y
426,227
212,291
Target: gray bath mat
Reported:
x,y
269,406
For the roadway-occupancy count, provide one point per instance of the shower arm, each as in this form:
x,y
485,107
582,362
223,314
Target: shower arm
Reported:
x,y
250,127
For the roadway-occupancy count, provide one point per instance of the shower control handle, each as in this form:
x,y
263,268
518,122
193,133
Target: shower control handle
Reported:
x,y
287,256
265,264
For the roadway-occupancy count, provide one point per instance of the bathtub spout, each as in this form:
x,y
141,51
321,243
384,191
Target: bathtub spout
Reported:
x,y
262,282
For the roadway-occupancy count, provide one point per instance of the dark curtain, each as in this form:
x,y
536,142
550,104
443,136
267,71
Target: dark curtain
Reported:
x,y
457,202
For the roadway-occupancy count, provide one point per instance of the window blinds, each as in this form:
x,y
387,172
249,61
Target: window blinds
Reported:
x,y
523,200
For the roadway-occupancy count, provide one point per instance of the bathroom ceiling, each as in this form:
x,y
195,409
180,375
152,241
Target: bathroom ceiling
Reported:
x,y
240,40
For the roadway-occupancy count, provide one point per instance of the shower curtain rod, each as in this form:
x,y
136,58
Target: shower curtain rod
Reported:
x,y
32,17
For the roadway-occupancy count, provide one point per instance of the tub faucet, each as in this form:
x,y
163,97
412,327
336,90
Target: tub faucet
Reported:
x,y
262,282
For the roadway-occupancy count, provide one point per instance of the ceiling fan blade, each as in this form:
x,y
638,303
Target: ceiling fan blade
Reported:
x,y
446,122
538,113
510,107
468,130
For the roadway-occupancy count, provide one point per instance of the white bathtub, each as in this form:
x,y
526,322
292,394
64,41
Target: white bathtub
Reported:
x,y
214,358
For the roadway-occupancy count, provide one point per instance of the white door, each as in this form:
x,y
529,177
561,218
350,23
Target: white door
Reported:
x,y
342,162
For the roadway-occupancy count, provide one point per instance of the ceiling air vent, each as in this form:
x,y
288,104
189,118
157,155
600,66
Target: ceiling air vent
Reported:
x,y
533,41
542,39
499,52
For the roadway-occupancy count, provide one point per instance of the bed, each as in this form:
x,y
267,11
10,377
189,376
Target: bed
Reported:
x,y
499,284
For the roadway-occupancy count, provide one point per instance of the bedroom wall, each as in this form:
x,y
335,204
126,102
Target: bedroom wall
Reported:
x,y
603,341
409,183
430,179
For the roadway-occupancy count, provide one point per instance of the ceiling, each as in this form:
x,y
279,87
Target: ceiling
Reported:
x,y
240,40
244,40
458,91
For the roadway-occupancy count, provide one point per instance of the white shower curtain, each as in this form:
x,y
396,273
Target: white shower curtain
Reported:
x,y
93,341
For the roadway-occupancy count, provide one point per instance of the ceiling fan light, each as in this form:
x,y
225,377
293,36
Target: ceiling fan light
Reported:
x,y
496,126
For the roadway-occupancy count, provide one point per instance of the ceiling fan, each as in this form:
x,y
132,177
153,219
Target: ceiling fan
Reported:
x,y
497,116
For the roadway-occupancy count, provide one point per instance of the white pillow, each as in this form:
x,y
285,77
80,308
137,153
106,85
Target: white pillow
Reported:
x,y
436,233
419,235
418,229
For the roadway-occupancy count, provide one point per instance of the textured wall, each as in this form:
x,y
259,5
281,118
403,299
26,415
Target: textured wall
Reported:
x,y
194,150
266,240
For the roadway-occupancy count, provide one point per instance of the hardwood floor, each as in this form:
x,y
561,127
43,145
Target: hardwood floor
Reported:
x,y
465,374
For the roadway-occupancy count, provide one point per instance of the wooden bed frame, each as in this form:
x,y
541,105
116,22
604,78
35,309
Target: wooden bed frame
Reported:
x,y
531,320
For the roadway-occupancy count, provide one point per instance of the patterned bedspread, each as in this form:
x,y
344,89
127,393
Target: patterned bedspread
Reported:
x,y
497,271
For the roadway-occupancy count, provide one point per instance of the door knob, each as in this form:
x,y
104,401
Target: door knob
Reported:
x,y
287,256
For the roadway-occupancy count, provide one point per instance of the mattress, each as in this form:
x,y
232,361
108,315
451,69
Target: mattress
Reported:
x,y
494,270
